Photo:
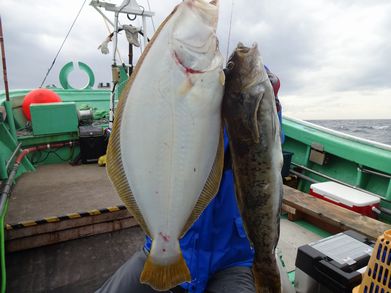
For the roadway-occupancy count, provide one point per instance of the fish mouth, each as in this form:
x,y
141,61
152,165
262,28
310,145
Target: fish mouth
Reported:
x,y
214,3
241,48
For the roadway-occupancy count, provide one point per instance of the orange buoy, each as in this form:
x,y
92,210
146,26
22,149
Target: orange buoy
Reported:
x,y
38,96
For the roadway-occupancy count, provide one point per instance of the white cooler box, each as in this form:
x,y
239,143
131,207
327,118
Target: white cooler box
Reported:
x,y
347,197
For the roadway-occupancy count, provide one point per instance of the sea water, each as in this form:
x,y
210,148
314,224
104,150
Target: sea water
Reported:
x,y
375,130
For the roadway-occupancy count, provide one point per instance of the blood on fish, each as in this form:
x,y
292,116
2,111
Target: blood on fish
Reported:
x,y
187,70
166,238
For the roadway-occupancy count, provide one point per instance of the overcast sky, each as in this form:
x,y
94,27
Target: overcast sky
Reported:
x,y
333,57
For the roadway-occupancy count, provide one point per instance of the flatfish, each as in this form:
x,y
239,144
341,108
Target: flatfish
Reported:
x,y
250,115
165,154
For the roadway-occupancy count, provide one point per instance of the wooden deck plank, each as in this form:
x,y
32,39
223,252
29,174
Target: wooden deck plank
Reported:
x,y
55,237
340,219
65,224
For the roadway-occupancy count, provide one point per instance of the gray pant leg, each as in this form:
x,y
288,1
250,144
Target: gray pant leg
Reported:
x,y
127,278
232,280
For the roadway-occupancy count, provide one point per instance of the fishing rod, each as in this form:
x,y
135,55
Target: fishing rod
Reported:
x,y
7,95
62,45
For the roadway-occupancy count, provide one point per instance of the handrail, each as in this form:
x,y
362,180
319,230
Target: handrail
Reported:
x,y
13,156
4,196
339,181
374,173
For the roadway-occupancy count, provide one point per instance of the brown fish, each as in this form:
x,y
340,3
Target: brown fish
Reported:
x,y
250,116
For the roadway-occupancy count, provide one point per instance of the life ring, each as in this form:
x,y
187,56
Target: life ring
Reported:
x,y
67,69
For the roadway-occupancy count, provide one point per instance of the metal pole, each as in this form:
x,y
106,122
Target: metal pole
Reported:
x,y
13,155
339,181
114,71
115,38
104,16
145,31
130,60
7,95
374,173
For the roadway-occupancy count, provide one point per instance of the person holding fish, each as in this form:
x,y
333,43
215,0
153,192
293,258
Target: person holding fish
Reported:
x,y
166,161
216,248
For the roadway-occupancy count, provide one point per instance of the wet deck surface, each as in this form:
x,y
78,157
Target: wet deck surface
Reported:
x,y
56,190
75,266
292,236
83,265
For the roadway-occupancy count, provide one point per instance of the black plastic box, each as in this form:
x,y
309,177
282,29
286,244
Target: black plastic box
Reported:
x,y
287,163
333,262
93,143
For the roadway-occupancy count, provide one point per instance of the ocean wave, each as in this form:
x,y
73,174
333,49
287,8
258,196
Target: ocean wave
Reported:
x,y
375,130
383,127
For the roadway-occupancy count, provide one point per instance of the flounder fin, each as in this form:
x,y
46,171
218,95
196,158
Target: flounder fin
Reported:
x,y
211,186
165,277
117,175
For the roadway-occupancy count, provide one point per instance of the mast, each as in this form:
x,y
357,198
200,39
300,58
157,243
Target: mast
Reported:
x,y
7,95
129,7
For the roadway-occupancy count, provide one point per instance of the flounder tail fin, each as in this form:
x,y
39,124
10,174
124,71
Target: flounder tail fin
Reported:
x,y
165,277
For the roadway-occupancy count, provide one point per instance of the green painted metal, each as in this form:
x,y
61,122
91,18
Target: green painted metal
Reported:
x,y
2,251
68,68
291,277
33,140
10,119
54,118
310,227
8,146
3,168
355,150
54,156
345,155
122,81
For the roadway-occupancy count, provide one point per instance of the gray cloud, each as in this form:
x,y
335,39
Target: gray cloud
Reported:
x,y
325,52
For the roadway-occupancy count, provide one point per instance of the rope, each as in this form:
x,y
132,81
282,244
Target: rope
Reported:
x,y
230,27
66,37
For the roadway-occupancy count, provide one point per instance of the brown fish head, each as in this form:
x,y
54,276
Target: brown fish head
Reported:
x,y
244,90
245,66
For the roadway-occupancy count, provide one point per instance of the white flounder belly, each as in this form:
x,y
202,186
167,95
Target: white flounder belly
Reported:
x,y
169,137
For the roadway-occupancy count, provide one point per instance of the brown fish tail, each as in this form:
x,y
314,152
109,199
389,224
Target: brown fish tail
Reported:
x,y
164,277
267,277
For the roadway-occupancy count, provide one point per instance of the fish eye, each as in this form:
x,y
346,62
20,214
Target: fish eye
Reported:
x,y
230,65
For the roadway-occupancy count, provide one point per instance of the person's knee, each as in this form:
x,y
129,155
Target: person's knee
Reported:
x,y
127,276
235,279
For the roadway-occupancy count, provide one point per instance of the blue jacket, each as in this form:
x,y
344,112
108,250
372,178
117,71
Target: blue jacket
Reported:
x,y
217,240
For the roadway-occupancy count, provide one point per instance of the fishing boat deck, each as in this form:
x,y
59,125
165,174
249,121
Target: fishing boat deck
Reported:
x,y
82,264
78,254
78,266
56,190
